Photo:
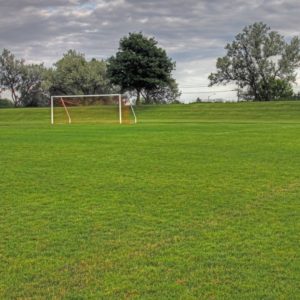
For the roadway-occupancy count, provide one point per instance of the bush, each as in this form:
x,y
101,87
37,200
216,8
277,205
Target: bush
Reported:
x,y
5,103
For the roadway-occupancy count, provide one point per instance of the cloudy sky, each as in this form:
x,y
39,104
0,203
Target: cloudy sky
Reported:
x,y
193,32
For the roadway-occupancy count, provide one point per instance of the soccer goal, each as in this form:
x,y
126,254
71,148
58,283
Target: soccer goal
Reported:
x,y
104,108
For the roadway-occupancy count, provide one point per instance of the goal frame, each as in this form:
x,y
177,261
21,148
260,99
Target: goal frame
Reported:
x,y
91,96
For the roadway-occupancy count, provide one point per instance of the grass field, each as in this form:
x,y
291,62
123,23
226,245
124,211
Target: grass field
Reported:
x,y
194,202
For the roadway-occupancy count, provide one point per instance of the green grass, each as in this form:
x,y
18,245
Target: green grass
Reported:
x,y
194,202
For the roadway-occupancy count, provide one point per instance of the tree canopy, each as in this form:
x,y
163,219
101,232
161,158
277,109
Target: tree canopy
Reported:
x,y
260,62
73,74
141,66
162,95
23,81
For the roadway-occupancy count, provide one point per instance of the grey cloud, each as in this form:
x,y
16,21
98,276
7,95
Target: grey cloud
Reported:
x,y
191,30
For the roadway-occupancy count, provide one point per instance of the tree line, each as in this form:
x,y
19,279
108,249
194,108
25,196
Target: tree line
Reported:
x,y
139,68
259,61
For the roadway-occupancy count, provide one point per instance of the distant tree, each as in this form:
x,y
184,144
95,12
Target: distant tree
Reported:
x,y
164,95
73,74
32,92
260,62
97,79
11,70
22,80
141,66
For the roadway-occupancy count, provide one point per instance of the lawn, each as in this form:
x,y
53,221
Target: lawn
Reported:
x,y
194,202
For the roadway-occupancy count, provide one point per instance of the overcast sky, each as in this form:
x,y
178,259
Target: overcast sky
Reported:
x,y
193,32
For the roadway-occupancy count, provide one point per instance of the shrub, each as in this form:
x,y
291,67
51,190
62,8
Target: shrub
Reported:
x,y
5,103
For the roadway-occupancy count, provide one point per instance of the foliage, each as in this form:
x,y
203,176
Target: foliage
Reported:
x,y
296,96
32,92
5,103
260,61
73,75
141,66
23,81
11,70
32,84
198,100
163,95
278,89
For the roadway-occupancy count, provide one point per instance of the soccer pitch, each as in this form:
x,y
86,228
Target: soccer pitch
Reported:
x,y
194,202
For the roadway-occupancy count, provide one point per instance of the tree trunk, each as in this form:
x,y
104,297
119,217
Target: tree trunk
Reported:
x,y
138,97
14,97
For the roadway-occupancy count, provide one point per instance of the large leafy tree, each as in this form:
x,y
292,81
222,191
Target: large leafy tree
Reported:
x,y
141,66
73,74
260,62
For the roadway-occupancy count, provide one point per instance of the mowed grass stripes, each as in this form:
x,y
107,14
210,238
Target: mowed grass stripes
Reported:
x,y
194,202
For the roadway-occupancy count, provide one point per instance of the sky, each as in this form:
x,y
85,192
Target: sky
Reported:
x,y
194,33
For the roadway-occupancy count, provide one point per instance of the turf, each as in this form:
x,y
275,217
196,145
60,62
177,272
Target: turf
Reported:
x,y
194,202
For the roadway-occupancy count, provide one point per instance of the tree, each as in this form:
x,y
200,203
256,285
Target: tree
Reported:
x,y
73,74
22,80
31,88
11,74
278,89
140,66
165,94
259,60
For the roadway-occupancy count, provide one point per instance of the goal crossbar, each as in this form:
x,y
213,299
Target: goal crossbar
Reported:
x,y
61,97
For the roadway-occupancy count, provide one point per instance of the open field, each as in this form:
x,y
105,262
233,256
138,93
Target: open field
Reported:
x,y
194,202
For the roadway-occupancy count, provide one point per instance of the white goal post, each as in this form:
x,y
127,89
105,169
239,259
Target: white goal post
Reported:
x,y
62,102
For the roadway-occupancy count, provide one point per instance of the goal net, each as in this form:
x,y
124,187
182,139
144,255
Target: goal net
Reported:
x,y
74,109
